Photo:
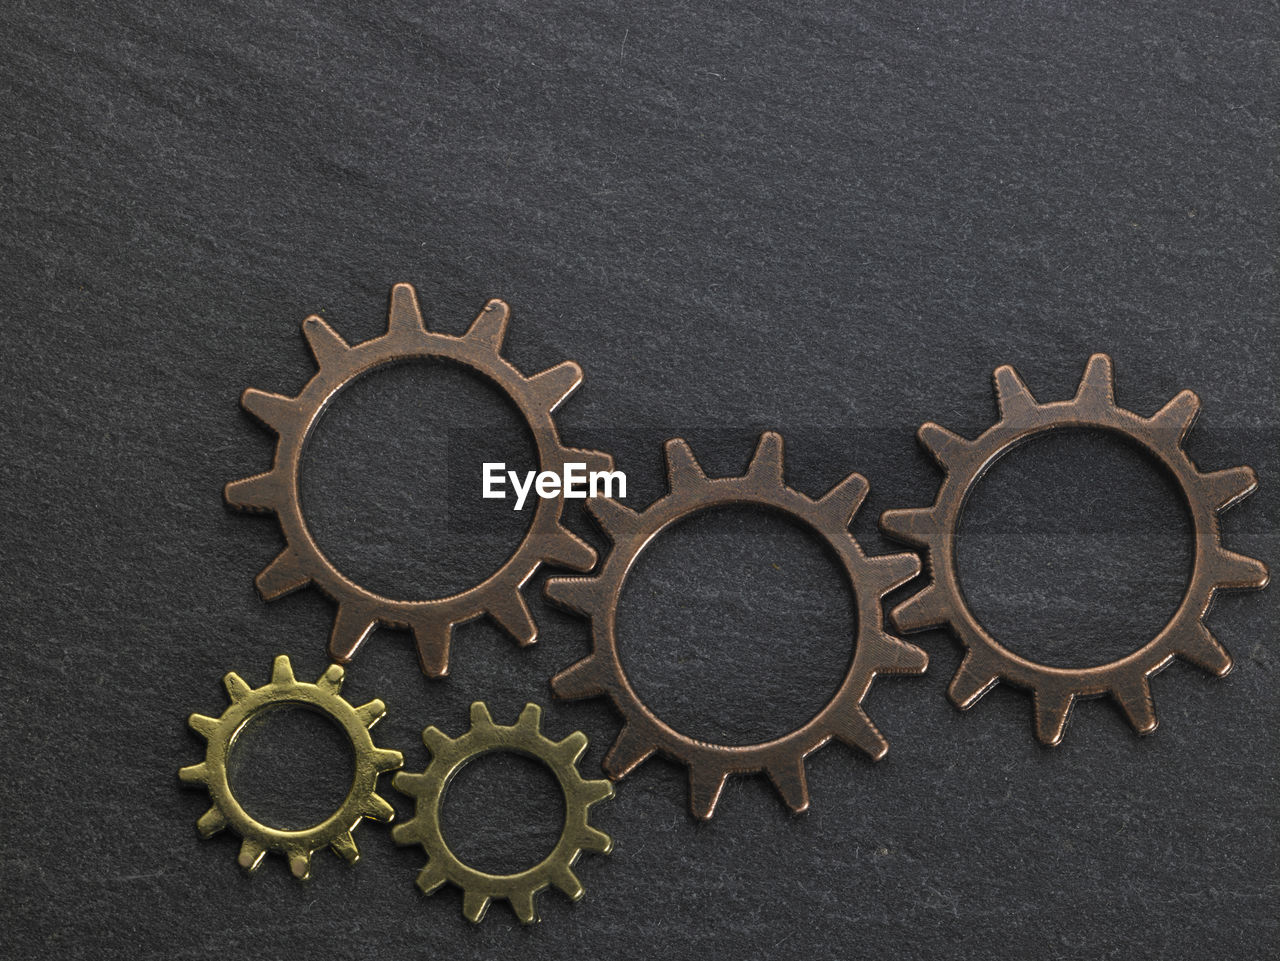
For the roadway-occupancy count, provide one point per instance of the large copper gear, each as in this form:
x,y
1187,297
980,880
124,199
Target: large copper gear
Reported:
x,y
964,462
644,733
294,418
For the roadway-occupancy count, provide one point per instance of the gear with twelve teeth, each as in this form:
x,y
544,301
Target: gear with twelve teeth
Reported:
x,y
334,831
875,652
451,755
964,462
295,418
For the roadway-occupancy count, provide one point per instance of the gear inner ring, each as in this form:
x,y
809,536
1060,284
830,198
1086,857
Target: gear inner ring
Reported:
x,y
503,402
1149,462
814,541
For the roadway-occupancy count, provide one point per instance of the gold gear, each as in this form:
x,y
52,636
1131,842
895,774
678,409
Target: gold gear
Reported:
x,y
334,831
278,491
451,755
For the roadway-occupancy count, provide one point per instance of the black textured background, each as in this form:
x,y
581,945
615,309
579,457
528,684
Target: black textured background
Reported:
x,y
833,220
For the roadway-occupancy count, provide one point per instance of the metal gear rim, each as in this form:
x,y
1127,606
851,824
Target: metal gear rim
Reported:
x,y
451,755
1055,689
782,758
362,799
295,418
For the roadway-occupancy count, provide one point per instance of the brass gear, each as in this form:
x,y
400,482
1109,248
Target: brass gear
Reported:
x,y
451,755
964,462
875,651
334,831
294,418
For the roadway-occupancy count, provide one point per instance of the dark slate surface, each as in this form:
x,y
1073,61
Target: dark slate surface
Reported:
x,y
830,220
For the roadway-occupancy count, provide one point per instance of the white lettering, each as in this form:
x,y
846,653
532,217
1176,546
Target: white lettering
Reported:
x,y
493,481
575,479
575,482
521,491
608,477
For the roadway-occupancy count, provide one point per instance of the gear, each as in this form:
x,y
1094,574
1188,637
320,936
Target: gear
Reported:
x,y
361,801
709,765
964,462
294,418
451,755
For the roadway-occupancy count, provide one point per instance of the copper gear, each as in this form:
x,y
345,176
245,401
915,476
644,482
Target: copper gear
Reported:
x,y
294,418
710,765
964,462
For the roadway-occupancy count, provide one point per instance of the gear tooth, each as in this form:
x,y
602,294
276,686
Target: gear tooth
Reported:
x,y
554,385
351,628
282,576
203,725
404,315
1226,488
480,716
474,906
326,343
792,783
435,740
564,878
766,462
571,749
300,865
893,570
344,846
411,784
923,611
945,446
972,680
915,525
615,519
1135,699
332,678
251,854
490,326
1098,380
211,822
855,729
376,807
1053,709
588,678
629,750
1175,418
593,792
433,638
272,410
282,671
196,774
568,550
1203,650
705,786
531,717
594,840
843,500
236,686
575,593
1232,571
385,759
371,713
899,657
522,905
431,877
682,465
1012,394
511,613
258,493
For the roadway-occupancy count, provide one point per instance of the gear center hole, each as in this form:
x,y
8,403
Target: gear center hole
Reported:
x,y
291,767
392,479
733,628
503,813
1075,549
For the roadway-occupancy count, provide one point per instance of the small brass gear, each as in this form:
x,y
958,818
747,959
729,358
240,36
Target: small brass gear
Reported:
x,y
451,755
1055,689
334,831
295,418
874,651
